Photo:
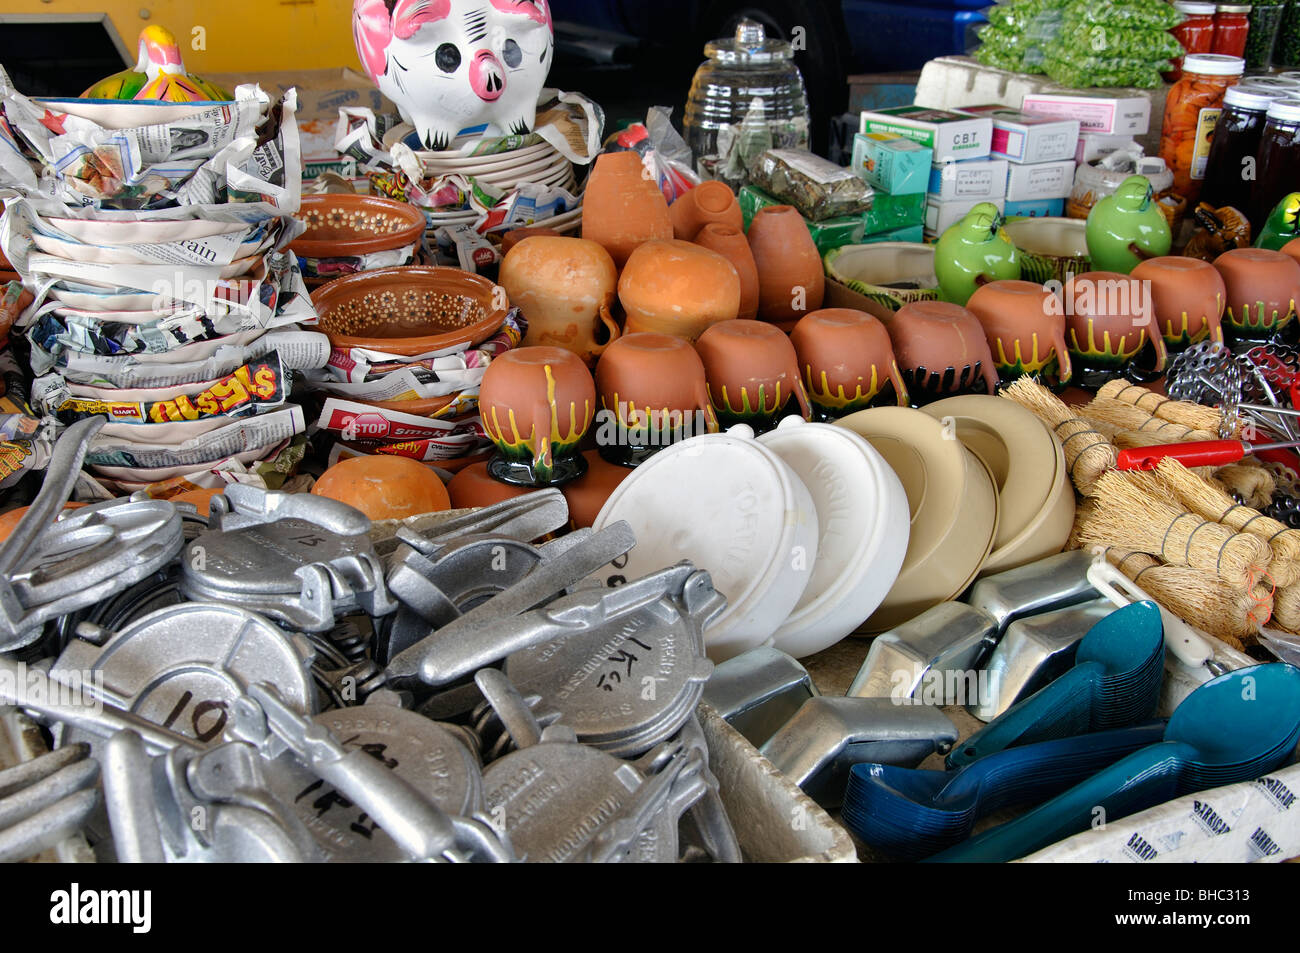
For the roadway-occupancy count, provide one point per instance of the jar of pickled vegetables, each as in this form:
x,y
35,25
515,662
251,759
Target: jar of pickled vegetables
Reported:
x,y
1191,113
1195,33
1279,159
1231,171
1231,24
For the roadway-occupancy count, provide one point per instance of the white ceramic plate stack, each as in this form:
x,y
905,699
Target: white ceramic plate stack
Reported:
x,y
803,530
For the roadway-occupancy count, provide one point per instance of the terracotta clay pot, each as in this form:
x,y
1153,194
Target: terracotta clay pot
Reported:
x,y
564,287
1263,289
10,520
706,204
1108,321
791,278
942,350
536,404
472,488
1292,248
753,372
587,494
730,242
622,207
1024,323
652,392
512,238
1188,297
340,226
678,288
847,362
384,487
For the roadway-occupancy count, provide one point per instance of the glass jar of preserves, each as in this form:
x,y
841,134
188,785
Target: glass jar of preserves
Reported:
x,y
1191,113
1195,33
1265,23
1279,160
1231,24
1234,151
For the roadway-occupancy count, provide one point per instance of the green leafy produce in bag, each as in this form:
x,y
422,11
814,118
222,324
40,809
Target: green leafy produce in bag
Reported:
x,y
1130,14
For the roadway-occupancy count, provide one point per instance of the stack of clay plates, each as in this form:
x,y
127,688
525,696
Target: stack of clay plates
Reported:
x,y
953,503
537,162
1035,496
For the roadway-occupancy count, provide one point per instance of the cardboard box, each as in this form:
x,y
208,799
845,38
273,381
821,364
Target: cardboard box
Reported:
x,y
1130,115
1042,208
1043,180
889,215
951,135
892,163
940,216
913,233
890,212
1094,146
1024,137
972,179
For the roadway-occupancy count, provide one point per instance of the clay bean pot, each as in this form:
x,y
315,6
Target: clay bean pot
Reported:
x,y
1108,321
706,204
513,237
1263,288
622,207
1025,326
652,393
730,242
791,279
587,494
847,362
1188,297
384,487
472,488
565,288
536,404
678,288
942,350
752,372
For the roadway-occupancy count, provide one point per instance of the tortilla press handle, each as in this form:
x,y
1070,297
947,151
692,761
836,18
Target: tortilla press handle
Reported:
x,y
241,505
1180,638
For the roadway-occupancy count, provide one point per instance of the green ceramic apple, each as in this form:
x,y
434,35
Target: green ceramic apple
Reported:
x,y
973,253
1127,228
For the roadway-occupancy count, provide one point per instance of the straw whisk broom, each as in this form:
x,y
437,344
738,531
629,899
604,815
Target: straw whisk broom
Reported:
x,y
1190,415
1198,597
1131,518
1133,418
1206,499
1088,453
1255,485
1286,608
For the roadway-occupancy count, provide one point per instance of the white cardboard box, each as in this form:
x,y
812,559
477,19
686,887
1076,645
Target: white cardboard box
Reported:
x,y
951,135
969,180
940,216
1106,115
1043,180
1094,146
1024,137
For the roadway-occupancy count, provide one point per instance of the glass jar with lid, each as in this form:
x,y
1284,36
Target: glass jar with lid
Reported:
x,y
747,77
1195,33
1191,113
1265,24
1279,160
1287,50
1231,25
1231,170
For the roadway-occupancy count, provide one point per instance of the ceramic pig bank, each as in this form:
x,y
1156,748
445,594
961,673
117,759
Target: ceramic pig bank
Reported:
x,y
451,65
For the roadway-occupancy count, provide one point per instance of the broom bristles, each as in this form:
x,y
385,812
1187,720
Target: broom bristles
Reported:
x,y
1190,415
1255,485
1133,418
1088,453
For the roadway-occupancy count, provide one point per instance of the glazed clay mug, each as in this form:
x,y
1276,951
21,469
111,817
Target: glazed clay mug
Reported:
x,y
652,393
1263,291
565,288
942,350
1188,297
752,372
1108,322
536,404
1025,326
847,362
791,276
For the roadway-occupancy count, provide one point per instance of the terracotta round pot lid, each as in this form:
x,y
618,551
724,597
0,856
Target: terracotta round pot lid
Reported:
x,y
953,504
409,311
341,226
471,487
425,407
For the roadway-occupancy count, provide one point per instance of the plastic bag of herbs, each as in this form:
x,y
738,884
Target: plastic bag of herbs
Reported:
x,y
1113,43
1080,70
1018,33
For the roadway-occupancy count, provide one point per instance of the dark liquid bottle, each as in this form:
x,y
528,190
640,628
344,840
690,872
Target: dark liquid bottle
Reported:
x,y
1279,160
1230,172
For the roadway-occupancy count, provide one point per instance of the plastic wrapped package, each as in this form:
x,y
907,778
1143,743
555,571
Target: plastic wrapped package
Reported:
x,y
818,188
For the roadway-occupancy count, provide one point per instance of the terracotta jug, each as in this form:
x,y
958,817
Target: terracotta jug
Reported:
x,y
847,362
1108,321
678,288
752,372
513,237
942,350
652,392
623,207
1263,290
1188,297
730,242
706,204
587,495
536,404
1024,323
565,288
472,487
791,279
